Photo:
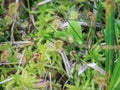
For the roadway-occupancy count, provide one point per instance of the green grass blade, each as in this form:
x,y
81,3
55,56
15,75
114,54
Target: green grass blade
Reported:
x,y
116,75
110,32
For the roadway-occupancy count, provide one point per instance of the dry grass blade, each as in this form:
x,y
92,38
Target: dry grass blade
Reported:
x,y
9,79
66,63
92,65
40,83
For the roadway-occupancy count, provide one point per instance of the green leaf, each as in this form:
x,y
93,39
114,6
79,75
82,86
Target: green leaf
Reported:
x,y
74,30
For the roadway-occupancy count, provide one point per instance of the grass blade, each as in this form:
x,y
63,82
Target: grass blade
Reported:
x,y
116,75
110,32
109,37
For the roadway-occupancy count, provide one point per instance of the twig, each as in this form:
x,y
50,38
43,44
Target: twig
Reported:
x,y
18,42
8,63
22,42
